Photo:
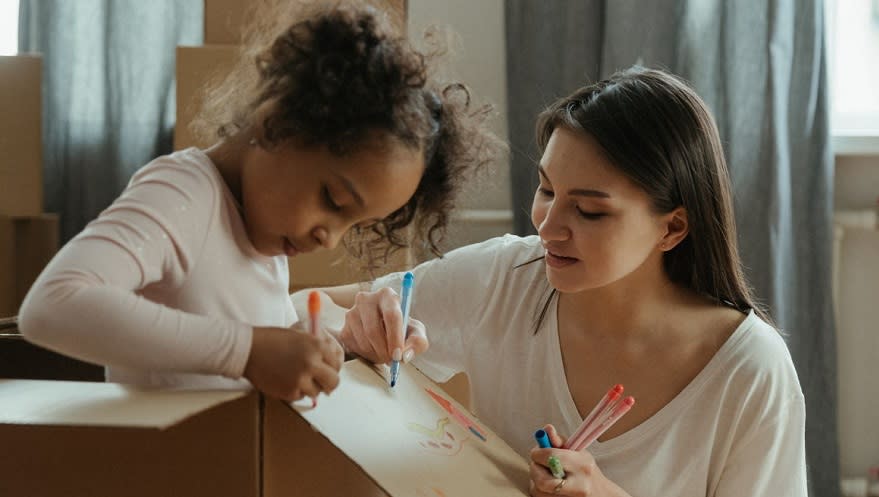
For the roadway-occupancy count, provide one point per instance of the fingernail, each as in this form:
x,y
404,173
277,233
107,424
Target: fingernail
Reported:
x,y
397,354
408,355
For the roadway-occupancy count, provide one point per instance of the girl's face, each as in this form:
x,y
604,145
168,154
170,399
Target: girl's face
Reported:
x,y
596,225
298,199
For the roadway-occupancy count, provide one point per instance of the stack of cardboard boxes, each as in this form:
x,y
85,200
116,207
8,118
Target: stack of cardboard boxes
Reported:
x,y
28,237
196,67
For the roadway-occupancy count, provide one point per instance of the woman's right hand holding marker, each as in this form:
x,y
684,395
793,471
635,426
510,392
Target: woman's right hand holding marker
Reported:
x,y
373,329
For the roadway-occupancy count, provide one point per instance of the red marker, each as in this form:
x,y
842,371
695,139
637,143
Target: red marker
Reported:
x,y
621,408
604,406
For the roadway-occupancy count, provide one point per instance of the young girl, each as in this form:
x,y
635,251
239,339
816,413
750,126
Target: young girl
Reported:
x,y
333,124
634,278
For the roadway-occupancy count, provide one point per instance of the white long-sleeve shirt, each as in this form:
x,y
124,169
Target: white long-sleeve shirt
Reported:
x,y
738,428
164,287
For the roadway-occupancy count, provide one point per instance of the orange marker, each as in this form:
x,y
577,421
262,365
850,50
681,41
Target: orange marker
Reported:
x,y
313,314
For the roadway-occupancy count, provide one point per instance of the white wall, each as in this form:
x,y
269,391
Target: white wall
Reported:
x,y
479,60
857,187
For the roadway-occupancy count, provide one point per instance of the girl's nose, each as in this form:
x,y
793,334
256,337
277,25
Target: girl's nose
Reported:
x,y
326,238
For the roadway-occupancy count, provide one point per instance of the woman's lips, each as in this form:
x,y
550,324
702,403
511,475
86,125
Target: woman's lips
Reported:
x,y
554,260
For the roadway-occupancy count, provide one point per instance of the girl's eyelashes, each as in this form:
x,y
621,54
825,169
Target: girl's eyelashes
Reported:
x,y
328,199
545,191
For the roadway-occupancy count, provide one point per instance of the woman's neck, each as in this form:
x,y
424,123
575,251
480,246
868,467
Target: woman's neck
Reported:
x,y
628,309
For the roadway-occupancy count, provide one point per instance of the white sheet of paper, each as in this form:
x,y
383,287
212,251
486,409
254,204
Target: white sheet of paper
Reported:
x,y
411,445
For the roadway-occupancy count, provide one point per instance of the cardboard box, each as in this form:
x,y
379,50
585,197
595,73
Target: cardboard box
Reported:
x,y
85,439
21,154
27,244
196,67
224,19
337,267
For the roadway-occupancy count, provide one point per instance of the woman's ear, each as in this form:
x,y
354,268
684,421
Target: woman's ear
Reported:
x,y
677,227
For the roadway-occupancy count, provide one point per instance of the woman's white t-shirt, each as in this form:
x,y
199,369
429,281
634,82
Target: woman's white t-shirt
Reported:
x,y
738,429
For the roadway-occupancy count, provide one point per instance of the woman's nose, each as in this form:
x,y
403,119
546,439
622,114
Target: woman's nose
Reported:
x,y
553,226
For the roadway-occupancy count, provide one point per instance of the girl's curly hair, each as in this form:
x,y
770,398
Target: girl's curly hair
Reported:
x,y
335,75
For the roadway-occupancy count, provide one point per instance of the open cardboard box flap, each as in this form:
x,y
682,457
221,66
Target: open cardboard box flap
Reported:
x,y
70,403
87,439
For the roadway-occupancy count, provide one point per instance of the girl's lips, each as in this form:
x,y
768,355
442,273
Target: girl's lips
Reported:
x,y
558,261
289,248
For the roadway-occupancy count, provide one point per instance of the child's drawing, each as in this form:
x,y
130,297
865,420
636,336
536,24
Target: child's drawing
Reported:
x,y
440,440
459,417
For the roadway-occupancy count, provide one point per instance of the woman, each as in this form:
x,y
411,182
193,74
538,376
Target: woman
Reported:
x,y
634,278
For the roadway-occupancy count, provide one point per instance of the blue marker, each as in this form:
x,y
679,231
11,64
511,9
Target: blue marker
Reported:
x,y
405,304
542,439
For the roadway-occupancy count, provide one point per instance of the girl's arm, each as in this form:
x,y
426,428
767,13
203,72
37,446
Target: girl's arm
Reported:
x,y
86,303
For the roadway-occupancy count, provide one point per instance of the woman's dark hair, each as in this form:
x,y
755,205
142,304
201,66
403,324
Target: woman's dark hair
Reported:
x,y
657,131
340,75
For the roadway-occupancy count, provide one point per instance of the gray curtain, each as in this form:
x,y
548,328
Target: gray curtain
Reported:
x,y
108,93
761,67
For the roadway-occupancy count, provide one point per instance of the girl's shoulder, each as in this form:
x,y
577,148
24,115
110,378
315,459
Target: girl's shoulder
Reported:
x,y
188,167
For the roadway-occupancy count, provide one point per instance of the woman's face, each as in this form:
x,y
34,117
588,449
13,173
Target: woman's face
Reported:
x,y
596,225
298,199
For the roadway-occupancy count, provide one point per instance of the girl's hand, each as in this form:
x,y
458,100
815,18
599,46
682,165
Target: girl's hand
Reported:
x,y
290,364
582,476
373,329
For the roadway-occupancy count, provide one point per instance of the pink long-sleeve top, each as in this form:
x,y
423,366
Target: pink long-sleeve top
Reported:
x,y
164,287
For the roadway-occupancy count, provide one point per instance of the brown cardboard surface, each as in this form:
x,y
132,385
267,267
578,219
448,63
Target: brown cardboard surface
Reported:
x,y
8,303
36,242
337,267
83,439
21,155
196,66
215,452
26,246
301,462
223,19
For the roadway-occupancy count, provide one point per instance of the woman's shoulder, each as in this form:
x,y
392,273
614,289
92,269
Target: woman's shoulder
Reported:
x,y
757,356
513,249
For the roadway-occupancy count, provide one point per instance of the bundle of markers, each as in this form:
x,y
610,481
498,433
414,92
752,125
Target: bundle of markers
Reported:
x,y
603,416
610,409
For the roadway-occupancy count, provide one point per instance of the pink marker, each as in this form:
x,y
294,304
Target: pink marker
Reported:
x,y
604,405
618,412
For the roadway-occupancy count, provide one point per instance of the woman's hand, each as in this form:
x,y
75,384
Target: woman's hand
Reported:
x,y
583,478
373,329
290,363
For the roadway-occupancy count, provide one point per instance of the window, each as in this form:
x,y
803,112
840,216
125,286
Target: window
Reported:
x,y
853,50
8,27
